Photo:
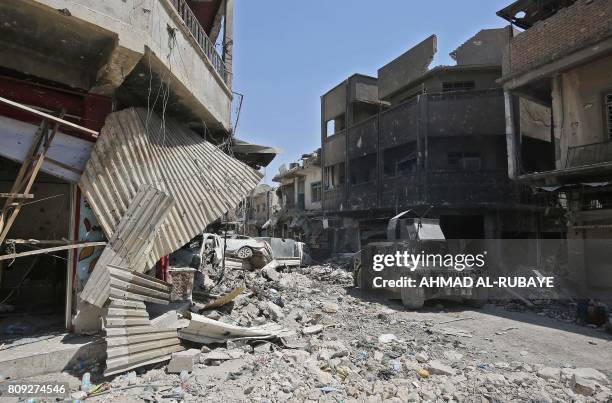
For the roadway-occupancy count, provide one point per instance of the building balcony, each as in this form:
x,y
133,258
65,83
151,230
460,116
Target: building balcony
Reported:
x,y
448,188
456,189
589,154
126,50
333,199
588,162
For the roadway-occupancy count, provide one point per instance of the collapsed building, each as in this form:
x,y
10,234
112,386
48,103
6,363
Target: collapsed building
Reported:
x,y
428,140
557,86
115,150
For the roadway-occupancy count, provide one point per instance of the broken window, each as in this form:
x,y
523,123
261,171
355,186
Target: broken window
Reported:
x,y
608,113
334,176
301,195
400,160
597,201
335,125
363,111
448,86
315,192
363,169
467,161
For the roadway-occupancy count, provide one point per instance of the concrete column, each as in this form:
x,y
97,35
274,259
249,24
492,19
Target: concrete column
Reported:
x,y
323,137
558,115
511,141
228,39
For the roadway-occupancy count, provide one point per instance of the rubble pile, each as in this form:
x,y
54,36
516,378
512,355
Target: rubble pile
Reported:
x,y
344,347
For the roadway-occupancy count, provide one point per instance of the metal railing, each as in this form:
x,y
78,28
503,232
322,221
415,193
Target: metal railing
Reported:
x,y
198,33
589,154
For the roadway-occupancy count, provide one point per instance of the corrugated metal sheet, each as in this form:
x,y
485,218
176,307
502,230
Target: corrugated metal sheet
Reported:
x,y
205,330
132,242
131,340
136,148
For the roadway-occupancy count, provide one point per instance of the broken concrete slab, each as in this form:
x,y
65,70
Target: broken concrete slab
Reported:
x,y
309,330
183,361
435,367
275,311
550,373
269,271
401,71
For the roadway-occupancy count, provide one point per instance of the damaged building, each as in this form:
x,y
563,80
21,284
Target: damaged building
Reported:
x,y
116,149
300,192
259,209
428,140
558,96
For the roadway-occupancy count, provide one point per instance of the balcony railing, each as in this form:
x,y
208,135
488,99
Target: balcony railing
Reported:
x,y
589,154
198,33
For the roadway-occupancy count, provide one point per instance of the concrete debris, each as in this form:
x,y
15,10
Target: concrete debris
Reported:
x,y
183,361
422,357
437,368
275,311
298,339
583,386
309,330
269,271
329,307
386,338
549,373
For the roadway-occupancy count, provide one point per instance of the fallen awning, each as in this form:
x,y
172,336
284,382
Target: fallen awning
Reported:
x,y
255,155
136,149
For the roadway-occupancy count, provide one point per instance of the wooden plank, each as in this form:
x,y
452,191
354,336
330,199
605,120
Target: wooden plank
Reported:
x,y
16,195
28,179
49,250
41,242
47,116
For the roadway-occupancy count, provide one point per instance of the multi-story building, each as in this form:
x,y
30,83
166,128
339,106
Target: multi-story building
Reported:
x,y
100,103
558,91
423,139
259,209
299,193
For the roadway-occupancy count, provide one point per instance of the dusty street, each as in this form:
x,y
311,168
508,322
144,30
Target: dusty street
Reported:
x,y
354,347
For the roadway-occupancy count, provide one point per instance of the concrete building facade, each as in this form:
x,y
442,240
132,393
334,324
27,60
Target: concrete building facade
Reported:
x,y
430,140
299,193
260,208
558,90
65,67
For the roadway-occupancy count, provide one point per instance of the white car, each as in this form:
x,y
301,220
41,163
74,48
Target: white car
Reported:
x,y
238,245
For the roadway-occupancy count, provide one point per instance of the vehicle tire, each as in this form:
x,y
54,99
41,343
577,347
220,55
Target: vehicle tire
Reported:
x,y
245,252
412,298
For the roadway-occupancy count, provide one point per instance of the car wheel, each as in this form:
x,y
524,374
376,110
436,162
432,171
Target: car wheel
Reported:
x,y
245,252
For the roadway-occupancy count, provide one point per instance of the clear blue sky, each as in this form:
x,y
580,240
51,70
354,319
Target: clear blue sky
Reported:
x,y
288,53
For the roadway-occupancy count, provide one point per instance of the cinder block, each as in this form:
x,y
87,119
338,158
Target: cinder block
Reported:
x,y
183,360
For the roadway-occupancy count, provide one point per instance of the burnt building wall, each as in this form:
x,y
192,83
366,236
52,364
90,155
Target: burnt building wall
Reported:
x,y
585,22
